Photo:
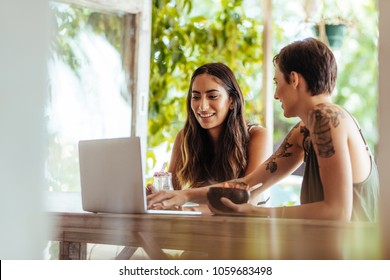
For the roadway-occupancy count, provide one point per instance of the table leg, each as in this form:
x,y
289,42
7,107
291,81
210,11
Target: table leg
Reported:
x,y
151,247
73,250
126,253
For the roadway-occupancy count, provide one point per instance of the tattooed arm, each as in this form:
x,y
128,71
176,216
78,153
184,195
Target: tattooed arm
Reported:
x,y
329,129
282,163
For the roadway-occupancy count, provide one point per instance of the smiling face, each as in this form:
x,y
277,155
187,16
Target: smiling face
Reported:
x,y
210,102
285,93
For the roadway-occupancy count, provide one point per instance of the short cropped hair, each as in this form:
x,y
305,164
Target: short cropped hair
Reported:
x,y
313,60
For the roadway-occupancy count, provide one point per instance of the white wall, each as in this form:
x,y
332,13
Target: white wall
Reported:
x,y
384,117
23,26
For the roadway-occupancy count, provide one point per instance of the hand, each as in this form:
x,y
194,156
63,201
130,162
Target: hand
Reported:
x,y
149,189
238,209
166,200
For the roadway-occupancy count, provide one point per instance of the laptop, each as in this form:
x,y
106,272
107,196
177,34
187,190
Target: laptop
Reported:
x,y
111,177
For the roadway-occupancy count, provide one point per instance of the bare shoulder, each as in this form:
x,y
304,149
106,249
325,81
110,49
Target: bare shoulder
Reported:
x,y
258,134
258,147
326,116
336,120
176,152
179,136
257,131
178,143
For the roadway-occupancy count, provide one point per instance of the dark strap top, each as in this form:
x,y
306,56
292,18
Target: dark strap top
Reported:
x,y
365,194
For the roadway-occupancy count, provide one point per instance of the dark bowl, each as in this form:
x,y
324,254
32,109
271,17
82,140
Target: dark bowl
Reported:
x,y
236,195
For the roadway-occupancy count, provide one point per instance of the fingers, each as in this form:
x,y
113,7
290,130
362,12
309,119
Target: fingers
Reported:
x,y
160,206
157,198
229,203
149,189
164,200
213,210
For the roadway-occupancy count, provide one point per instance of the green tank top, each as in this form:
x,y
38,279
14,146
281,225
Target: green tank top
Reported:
x,y
365,194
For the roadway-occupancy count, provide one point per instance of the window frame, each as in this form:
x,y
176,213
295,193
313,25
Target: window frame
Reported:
x,y
136,56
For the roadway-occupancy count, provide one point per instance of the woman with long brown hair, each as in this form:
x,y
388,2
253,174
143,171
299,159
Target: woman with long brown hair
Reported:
x,y
216,144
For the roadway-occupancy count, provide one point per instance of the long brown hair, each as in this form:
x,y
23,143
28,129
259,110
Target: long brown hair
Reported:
x,y
201,162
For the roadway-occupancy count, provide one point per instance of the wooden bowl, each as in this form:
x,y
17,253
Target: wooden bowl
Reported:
x,y
236,195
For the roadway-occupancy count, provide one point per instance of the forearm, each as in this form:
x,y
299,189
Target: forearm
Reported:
x,y
280,164
272,171
264,178
317,210
196,195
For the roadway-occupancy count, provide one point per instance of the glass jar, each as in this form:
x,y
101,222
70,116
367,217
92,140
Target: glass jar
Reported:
x,y
162,181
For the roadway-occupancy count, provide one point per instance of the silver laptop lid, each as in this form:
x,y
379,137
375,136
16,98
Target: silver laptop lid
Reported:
x,y
111,175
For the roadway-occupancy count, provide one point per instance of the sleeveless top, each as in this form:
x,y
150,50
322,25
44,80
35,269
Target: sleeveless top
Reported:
x,y
365,194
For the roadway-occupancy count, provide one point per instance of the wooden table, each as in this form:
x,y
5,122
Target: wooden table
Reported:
x,y
218,237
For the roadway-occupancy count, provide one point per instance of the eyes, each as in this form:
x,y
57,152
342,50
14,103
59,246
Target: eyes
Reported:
x,y
213,96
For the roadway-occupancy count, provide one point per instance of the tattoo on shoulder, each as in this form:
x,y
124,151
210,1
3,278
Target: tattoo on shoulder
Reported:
x,y
306,138
320,120
282,151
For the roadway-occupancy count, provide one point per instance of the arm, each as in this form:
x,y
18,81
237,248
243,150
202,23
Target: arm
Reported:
x,y
172,199
329,132
329,129
282,162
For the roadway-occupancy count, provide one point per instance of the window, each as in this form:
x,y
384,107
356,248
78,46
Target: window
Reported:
x,y
96,88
